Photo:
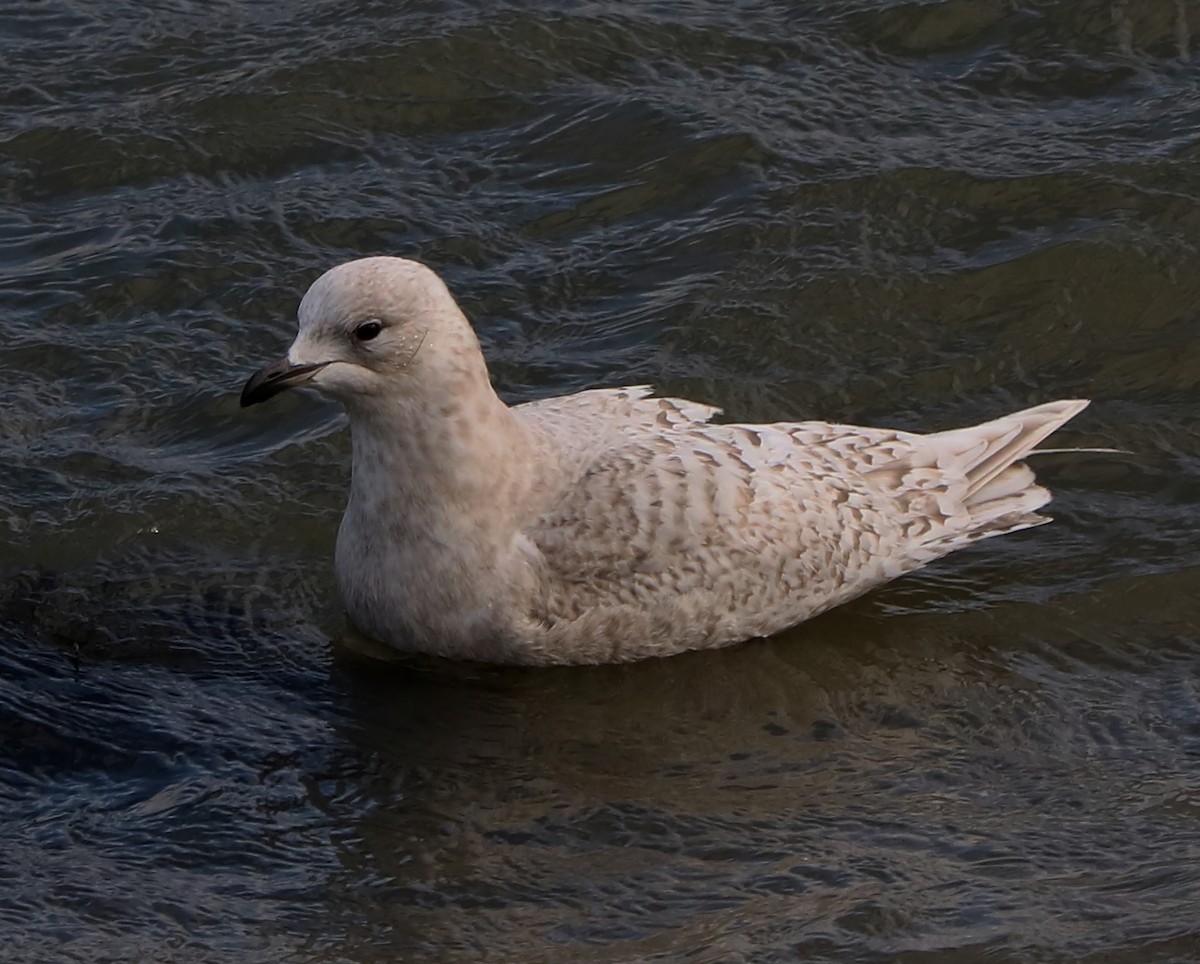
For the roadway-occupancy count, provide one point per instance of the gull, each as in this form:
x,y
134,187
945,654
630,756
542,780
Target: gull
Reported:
x,y
611,525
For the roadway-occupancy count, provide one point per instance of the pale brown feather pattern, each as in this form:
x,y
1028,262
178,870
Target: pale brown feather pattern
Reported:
x,y
611,525
723,532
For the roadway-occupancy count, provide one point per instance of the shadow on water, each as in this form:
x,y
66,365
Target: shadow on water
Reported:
x,y
837,789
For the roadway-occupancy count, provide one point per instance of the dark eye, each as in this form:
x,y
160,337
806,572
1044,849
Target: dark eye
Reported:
x,y
368,330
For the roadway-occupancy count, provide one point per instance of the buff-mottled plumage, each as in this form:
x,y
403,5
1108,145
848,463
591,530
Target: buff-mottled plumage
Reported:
x,y
610,525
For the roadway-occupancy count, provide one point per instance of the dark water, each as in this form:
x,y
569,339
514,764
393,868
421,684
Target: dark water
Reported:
x,y
910,214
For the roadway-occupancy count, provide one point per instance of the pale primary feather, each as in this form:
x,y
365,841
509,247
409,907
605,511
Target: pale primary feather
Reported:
x,y
610,525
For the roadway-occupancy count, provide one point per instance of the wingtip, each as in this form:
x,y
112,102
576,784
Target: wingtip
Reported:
x,y
1072,407
1058,412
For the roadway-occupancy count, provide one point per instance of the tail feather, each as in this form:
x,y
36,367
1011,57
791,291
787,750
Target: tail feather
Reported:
x,y
1001,493
1015,480
984,452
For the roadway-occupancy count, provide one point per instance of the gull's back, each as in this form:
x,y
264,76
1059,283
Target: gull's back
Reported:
x,y
671,533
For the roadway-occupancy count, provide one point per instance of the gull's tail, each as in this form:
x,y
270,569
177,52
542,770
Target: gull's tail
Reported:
x,y
1001,493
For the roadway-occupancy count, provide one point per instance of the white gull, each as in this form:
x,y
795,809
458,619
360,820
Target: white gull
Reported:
x,y
610,525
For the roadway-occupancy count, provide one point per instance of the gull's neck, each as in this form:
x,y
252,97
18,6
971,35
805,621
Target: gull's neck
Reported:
x,y
456,459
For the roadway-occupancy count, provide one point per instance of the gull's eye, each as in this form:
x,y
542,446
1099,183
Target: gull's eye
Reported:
x,y
368,330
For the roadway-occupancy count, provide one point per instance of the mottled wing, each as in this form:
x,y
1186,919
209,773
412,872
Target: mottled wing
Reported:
x,y
587,424
756,527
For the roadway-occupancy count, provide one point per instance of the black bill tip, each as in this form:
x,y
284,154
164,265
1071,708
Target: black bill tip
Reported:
x,y
275,378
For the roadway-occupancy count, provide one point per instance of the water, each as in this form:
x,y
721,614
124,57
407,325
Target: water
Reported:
x,y
905,214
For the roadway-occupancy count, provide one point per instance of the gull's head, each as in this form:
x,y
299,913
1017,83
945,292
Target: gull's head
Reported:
x,y
373,328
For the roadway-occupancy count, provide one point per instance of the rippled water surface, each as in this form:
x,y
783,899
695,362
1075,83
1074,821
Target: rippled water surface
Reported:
x,y
910,214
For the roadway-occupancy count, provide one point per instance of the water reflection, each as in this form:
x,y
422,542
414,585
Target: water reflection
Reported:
x,y
844,786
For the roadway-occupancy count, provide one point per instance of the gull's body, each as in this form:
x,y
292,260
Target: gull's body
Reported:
x,y
609,525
